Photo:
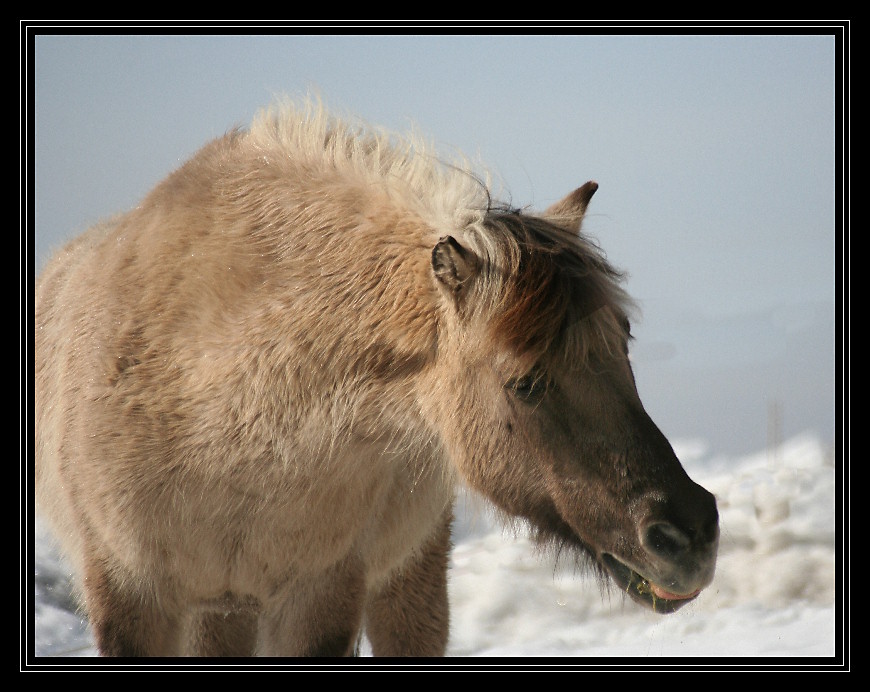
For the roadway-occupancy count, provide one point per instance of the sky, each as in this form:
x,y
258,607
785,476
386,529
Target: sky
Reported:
x,y
776,600
716,156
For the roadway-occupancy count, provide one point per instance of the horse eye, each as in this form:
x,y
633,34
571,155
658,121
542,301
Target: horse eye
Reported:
x,y
529,388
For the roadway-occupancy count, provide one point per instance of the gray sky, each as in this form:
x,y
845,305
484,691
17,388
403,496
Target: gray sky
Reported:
x,y
715,156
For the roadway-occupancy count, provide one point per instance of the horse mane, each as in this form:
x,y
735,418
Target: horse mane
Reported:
x,y
559,297
549,291
406,167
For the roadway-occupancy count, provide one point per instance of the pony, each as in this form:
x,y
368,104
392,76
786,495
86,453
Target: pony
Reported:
x,y
257,392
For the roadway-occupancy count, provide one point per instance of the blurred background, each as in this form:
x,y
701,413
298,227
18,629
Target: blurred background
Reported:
x,y
716,156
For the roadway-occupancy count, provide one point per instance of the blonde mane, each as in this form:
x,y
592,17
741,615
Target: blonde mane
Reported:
x,y
445,194
544,284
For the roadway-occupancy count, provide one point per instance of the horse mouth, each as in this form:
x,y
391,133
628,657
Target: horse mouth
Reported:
x,y
645,592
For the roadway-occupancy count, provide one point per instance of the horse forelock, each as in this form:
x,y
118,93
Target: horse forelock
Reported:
x,y
554,295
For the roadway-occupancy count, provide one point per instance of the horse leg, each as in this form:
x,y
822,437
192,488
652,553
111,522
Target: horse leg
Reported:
x,y
409,615
126,620
222,634
319,616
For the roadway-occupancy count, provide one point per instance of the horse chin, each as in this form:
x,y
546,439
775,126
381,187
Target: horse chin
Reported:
x,y
642,590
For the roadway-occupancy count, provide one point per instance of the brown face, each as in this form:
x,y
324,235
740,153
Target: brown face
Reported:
x,y
572,450
537,406
654,530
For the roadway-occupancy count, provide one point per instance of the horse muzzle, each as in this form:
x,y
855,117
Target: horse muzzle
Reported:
x,y
675,554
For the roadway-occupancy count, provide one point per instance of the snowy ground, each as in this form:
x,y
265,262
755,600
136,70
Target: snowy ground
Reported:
x,y
773,597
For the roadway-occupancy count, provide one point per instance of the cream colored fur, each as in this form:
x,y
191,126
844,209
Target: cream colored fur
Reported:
x,y
256,390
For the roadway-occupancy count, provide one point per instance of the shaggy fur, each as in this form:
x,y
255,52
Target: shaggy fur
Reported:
x,y
256,391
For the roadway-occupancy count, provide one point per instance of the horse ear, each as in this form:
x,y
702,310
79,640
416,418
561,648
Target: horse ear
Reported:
x,y
454,266
569,211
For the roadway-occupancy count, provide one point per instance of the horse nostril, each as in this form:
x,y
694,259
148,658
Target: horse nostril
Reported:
x,y
665,539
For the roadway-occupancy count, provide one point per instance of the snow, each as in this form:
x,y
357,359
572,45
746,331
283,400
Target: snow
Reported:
x,y
774,596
